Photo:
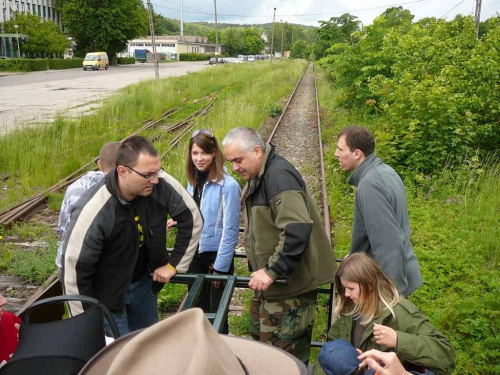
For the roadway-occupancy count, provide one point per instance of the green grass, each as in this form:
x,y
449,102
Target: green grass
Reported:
x,y
456,232
35,264
37,157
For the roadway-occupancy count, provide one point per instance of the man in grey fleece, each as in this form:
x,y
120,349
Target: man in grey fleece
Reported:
x,y
381,226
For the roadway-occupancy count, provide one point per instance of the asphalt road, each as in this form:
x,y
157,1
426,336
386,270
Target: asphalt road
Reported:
x,y
36,97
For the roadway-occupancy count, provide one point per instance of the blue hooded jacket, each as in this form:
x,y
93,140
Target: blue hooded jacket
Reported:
x,y
220,207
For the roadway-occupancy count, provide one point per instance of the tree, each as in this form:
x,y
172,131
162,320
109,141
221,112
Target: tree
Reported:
x,y
104,25
44,37
253,43
165,26
301,50
336,30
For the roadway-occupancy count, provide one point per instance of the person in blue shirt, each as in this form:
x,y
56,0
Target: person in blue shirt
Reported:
x,y
218,195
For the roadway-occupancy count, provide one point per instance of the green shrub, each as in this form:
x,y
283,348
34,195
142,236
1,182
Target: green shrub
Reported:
x,y
57,64
194,57
126,60
23,65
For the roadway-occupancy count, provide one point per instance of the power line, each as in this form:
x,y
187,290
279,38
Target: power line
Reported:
x,y
293,15
452,9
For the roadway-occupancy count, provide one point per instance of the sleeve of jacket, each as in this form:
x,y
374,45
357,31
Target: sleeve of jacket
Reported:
x,y
183,209
421,343
292,217
231,204
384,233
82,248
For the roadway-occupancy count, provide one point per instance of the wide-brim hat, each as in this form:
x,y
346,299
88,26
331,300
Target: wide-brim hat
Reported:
x,y
186,343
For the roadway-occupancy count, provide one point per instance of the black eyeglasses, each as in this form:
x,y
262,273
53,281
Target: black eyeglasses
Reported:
x,y
202,131
146,176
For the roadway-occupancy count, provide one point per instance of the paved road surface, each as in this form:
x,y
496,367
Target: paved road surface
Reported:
x,y
38,96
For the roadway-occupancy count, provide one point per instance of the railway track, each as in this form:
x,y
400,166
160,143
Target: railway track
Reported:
x,y
310,130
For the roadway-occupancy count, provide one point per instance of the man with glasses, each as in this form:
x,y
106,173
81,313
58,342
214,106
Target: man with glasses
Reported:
x,y
117,237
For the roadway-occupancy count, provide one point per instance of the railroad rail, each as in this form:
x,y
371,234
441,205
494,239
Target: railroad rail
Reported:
x,y
30,206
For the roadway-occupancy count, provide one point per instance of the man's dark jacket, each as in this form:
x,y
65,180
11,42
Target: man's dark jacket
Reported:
x,y
102,244
284,234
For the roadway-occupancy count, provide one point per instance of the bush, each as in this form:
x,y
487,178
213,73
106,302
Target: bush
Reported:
x,y
65,63
194,57
126,60
23,65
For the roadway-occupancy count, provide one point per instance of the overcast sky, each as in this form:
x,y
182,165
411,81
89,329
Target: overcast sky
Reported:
x,y
309,12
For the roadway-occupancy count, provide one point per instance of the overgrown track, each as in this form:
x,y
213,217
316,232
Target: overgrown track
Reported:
x,y
32,205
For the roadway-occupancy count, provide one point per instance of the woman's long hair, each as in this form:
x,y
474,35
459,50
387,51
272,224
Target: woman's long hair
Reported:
x,y
376,293
210,145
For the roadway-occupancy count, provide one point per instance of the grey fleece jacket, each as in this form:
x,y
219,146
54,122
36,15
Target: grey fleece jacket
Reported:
x,y
381,225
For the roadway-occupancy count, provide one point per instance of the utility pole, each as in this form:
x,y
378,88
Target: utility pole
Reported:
x,y
17,37
272,40
153,40
216,34
282,39
477,16
182,18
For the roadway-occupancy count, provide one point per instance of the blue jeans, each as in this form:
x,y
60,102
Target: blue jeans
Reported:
x,y
141,308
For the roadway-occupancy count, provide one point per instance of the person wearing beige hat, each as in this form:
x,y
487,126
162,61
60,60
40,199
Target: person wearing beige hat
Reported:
x,y
187,344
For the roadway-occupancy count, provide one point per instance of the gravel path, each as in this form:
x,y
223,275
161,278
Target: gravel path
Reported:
x,y
296,139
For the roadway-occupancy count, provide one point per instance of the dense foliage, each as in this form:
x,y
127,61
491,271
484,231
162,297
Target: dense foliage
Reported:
x,y
23,65
433,84
192,56
103,25
125,60
44,38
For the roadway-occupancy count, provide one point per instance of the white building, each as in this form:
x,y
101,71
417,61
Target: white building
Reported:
x,y
173,45
42,8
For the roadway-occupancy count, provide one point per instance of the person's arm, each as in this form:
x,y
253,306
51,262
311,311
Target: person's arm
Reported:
x,y
422,344
82,249
184,210
386,237
231,207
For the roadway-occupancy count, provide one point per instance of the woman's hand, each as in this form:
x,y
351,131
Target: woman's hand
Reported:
x,y
382,363
385,336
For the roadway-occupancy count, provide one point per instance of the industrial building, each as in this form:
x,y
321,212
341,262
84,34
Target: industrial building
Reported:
x,y
42,8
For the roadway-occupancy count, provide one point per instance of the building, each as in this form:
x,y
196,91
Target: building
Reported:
x,y
42,8
172,46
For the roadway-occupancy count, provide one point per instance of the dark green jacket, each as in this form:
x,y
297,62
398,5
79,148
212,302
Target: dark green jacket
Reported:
x,y
284,233
419,342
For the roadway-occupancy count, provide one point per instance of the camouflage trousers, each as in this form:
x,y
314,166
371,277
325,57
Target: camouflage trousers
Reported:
x,y
284,323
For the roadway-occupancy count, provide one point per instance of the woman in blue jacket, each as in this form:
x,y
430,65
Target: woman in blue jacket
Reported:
x,y
218,195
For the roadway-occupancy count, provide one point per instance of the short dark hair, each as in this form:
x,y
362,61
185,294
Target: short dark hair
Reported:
x,y
131,148
107,155
358,137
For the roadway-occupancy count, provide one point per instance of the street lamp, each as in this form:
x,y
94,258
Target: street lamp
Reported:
x,y
282,34
17,37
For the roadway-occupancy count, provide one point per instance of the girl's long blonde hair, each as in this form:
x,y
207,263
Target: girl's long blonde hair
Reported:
x,y
377,293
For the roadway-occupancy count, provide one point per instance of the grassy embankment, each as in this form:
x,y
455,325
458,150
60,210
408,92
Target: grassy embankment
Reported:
x,y
456,234
36,158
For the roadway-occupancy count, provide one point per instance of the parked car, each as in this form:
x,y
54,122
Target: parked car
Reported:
x,y
232,60
251,58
